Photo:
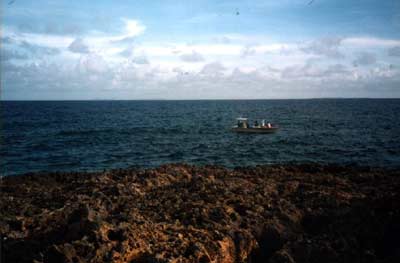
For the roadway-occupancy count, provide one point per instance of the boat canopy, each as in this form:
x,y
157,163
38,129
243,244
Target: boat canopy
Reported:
x,y
241,119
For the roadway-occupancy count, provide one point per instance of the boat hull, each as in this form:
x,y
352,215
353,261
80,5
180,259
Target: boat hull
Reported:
x,y
255,130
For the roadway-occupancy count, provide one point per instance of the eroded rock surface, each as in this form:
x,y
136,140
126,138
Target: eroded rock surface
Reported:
x,y
182,213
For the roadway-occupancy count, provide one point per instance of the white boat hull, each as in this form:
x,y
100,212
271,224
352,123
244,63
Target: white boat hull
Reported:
x,y
255,130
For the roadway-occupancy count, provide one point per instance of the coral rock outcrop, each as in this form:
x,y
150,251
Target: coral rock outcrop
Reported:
x,y
183,213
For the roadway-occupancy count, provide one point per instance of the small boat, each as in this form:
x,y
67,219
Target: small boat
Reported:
x,y
244,127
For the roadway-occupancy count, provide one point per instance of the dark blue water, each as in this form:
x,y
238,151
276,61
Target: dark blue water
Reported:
x,y
96,135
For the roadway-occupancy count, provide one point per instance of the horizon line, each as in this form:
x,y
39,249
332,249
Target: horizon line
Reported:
x,y
248,99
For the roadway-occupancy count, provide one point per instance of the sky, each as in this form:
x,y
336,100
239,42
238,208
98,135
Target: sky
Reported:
x,y
88,50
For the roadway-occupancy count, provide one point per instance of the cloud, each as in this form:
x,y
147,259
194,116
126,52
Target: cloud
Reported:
x,y
300,71
141,59
394,51
125,40
369,42
315,71
222,39
38,49
175,51
212,69
364,59
136,59
7,40
126,53
8,54
133,27
336,69
247,51
192,57
93,64
43,40
328,46
78,46
118,62
95,77
24,50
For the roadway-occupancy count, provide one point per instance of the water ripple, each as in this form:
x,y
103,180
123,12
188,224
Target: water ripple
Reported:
x,y
98,135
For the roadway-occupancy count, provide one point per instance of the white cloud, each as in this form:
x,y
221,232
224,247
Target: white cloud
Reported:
x,y
53,41
328,46
222,39
140,59
133,27
364,58
315,71
127,52
78,46
213,69
93,64
182,48
39,50
271,69
94,77
192,57
247,51
370,42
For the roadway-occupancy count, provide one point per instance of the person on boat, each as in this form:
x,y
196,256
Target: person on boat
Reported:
x,y
256,124
269,125
263,123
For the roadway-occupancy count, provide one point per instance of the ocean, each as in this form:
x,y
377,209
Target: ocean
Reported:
x,y
96,135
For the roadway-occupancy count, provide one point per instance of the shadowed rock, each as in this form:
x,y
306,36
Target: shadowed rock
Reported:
x,y
182,213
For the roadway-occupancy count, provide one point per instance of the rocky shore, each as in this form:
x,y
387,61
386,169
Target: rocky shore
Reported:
x,y
182,213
